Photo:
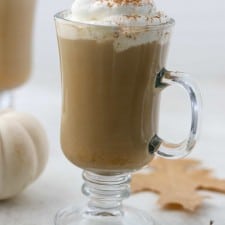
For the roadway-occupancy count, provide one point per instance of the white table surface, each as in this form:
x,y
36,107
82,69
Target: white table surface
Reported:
x,y
59,185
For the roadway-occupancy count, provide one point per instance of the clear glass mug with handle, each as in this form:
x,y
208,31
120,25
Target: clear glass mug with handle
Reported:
x,y
112,78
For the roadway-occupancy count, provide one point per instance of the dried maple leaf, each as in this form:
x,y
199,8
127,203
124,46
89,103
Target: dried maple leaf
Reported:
x,y
177,181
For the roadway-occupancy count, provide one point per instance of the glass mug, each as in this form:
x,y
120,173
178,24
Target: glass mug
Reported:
x,y
15,46
112,77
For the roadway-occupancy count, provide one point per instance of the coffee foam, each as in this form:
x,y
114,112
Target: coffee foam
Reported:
x,y
122,39
115,13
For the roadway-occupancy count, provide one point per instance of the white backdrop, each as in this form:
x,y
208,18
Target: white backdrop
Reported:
x,y
198,44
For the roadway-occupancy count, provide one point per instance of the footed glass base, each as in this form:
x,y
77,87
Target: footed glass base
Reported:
x,y
106,193
130,216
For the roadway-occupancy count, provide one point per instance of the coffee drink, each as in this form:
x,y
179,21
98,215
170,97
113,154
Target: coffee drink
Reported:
x,y
113,62
110,103
16,19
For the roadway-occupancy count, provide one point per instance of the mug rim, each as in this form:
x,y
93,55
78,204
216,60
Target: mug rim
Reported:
x,y
62,16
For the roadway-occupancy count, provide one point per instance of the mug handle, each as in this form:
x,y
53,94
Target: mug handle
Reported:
x,y
163,148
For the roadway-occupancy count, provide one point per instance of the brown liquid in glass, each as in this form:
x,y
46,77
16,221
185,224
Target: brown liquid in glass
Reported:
x,y
110,103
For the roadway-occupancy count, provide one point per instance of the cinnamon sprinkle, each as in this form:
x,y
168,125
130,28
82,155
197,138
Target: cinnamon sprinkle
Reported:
x,y
133,16
121,2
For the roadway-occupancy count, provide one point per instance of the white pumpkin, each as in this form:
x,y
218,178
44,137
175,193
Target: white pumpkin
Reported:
x,y
23,152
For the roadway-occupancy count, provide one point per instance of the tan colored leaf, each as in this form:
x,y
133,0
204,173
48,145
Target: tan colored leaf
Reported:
x,y
177,182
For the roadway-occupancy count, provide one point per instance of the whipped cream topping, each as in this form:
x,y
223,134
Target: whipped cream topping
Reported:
x,y
117,12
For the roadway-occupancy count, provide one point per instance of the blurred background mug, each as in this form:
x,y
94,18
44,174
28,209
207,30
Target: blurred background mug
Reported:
x,y
16,23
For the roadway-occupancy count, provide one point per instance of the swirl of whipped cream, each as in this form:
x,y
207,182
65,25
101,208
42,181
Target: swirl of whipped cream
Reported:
x,y
117,12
